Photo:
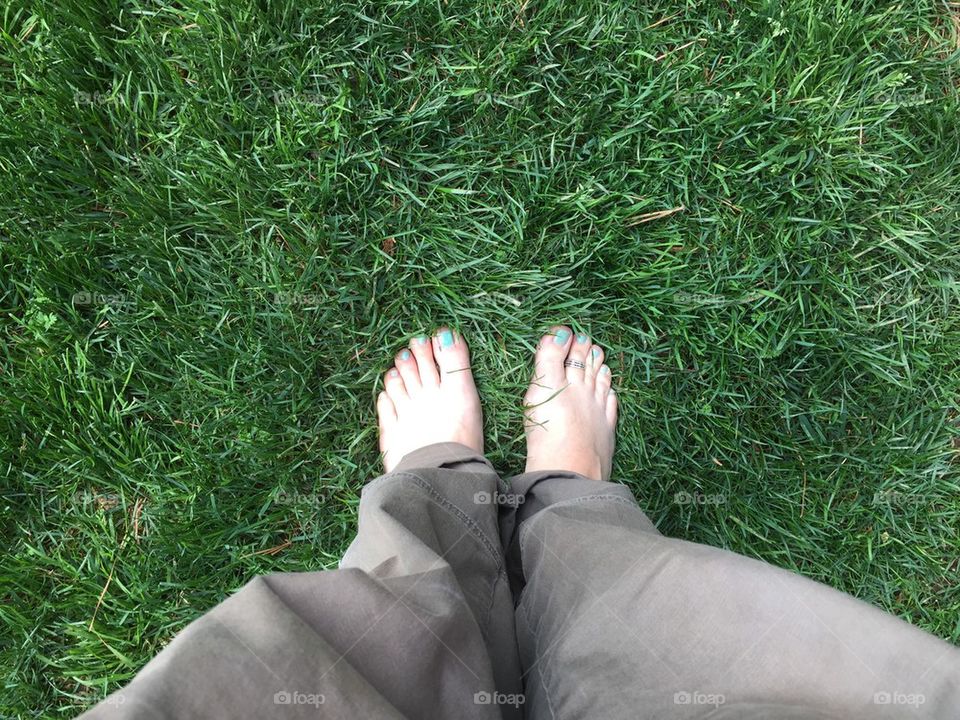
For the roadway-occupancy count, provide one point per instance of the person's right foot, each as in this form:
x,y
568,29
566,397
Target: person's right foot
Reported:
x,y
570,412
429,397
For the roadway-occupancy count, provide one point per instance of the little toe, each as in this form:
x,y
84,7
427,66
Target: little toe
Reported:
x,y
576,363
611,408
395,388
386,417
422,350
604,381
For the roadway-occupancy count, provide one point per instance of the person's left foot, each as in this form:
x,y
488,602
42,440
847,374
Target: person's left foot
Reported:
x,y
429,397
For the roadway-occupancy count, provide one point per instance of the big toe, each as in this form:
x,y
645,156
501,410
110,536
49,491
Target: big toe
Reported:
x,y
452,357
551,352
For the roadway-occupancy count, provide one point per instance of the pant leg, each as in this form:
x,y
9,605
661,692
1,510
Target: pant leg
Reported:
x,y
416,623
616,621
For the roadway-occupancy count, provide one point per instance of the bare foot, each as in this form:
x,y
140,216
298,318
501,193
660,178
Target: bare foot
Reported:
x,y
429,397
570,412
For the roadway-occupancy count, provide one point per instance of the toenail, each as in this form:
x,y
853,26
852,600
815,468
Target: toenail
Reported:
x,y
422,340
405,355
561,336
394,373
604,369
582,339
596,352
446,339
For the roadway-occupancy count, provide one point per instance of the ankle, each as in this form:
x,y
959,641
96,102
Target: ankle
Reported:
x,y
588,465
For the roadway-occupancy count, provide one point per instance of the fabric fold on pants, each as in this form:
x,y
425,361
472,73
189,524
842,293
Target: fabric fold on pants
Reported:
x,y
615,620
416,623
547,596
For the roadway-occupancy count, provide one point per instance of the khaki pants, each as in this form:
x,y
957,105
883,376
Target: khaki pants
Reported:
x,y
553,597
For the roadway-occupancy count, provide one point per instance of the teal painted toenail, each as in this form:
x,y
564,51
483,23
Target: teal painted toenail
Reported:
x,y
582,339
394,373
604,369
596,352
446,339
561,337
422,340
405,355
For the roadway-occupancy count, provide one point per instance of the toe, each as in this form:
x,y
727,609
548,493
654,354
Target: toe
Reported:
x,y
576,364
551,352
409,371
594,362
395,387
386,418
604,380
611,408
452,355
422,350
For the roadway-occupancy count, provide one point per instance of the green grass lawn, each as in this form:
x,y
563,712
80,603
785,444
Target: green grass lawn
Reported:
x,y
218,221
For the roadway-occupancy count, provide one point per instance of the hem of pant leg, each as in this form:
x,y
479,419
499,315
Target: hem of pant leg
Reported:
x,y
539,490
438,455
548,474
524,528
523,483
